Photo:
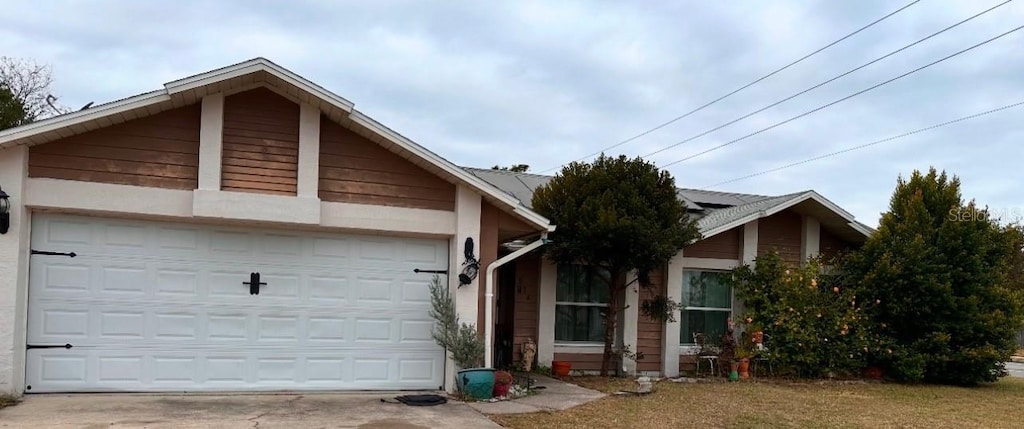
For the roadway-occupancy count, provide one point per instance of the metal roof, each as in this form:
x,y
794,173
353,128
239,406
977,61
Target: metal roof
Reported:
x,y
715,211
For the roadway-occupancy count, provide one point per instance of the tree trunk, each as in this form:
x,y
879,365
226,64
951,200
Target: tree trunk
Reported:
x,y
611,317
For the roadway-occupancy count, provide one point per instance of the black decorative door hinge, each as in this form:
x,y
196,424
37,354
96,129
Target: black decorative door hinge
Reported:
x,y
48,346
254,283
43,252
417,271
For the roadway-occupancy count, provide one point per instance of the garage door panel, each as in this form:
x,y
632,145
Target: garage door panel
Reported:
x,y
152,306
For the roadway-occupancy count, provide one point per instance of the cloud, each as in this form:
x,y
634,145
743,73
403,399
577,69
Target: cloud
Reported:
x,y
542,83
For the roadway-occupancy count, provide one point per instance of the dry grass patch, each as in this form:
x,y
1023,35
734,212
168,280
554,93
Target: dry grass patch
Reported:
x,y
7,401
788,404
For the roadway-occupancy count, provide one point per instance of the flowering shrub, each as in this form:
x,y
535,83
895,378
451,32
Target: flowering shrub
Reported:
x,y
812,324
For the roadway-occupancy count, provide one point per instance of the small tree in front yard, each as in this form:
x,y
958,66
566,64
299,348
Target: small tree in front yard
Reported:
x,y
814,322
946,278
614,216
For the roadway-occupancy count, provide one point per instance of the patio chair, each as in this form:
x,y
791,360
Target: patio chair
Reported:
x,y
762,358
704,353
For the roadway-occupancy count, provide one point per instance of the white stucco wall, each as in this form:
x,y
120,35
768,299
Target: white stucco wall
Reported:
x,y
13,273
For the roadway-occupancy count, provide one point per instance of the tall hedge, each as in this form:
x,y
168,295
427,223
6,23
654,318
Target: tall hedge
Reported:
x,y
945,276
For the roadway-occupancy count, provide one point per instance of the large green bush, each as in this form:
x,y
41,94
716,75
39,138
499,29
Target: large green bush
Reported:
x,y
946,277
814,324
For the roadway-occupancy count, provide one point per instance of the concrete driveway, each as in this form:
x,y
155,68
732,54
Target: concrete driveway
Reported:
x,y
293,411
1016,369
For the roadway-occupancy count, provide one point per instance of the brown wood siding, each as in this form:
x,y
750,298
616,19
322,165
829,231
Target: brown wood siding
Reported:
x,y
725,245
648,332
527,303
261,143
581,361
488,253
831,245
159,151
780,232
356,170
688,364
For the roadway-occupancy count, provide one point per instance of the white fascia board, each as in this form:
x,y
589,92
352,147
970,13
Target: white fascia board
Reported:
x,y
256,65
866,230
95,112
811,195
463,175
739,222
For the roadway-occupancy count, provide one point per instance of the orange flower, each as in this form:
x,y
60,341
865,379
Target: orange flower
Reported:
x,y
835,289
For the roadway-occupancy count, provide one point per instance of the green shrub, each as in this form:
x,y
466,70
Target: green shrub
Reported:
x,y
813,323
947,279
459,339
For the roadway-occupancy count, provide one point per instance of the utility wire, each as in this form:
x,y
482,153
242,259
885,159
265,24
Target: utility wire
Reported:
x,y
758,80
853,148
825,106
826,82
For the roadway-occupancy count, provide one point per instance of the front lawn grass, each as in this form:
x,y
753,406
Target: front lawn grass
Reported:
x,y
788,404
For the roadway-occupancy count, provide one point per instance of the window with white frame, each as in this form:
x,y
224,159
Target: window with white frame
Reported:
x,y
707,305
581,298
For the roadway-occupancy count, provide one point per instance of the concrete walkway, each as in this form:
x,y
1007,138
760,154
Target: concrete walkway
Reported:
x,y
556,395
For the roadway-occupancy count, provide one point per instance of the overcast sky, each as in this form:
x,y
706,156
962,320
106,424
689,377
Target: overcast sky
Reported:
x,y
542,83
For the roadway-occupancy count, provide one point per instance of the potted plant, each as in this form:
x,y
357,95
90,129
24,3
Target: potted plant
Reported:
x,y
502,383
561,368
462,341
743,356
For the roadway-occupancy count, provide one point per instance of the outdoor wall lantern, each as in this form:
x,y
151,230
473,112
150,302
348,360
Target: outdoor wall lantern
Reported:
x,y
5,212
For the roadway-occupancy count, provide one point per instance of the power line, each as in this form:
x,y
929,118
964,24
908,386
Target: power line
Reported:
x,y
758,80
825,106
853,148
826,82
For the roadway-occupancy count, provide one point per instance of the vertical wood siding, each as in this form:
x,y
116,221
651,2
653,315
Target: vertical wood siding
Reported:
x,y
356,170
159,151
527,302
261,143
725,245
649,331
781,232
831,246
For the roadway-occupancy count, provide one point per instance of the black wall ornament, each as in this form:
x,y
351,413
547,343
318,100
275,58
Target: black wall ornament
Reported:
x,y
470,267
5,212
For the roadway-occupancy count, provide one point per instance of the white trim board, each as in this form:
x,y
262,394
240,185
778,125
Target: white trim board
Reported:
x,y
137,201
710,263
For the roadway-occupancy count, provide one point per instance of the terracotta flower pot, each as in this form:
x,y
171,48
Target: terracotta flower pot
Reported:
x,y
561,368
744,368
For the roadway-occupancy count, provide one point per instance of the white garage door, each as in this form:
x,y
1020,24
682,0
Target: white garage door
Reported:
x,y
149,306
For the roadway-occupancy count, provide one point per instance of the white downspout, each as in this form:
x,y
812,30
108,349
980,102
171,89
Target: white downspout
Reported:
x,y
488,312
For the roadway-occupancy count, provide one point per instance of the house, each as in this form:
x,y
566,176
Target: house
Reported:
x,y
245,229
548,306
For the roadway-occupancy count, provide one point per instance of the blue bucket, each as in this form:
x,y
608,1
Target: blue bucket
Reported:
x,y
476,383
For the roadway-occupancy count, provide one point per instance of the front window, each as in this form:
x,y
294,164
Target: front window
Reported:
x,y
581,298
707,305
